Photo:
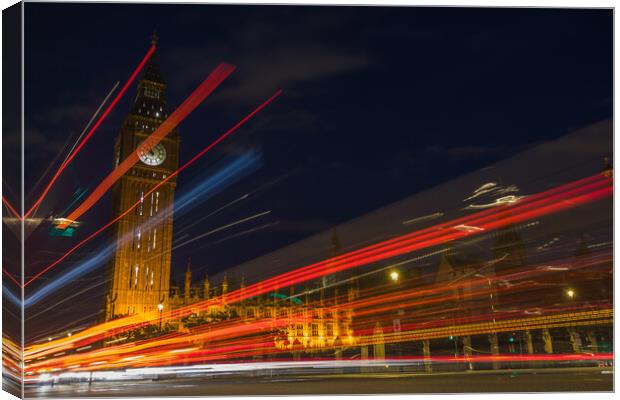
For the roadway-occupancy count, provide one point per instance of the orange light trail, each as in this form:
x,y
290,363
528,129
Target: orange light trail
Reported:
x,y
233,329
160,351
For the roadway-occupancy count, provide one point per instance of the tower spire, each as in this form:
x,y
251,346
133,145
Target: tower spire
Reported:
x,y
206,287
150,101
225,284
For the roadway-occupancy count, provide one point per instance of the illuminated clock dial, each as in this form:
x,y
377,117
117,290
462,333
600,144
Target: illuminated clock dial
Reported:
x,y
153,157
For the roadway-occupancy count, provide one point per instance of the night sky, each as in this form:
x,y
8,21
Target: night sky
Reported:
x,y
378,103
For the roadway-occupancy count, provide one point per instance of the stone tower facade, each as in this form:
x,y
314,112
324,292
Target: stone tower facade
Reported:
x,y
139,274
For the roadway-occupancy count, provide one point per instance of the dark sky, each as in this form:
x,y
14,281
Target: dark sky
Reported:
x,y
378,103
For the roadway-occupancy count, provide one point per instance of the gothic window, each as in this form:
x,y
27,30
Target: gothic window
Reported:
x,y
138,237
315,329
330,330
152,276
300,330
152,196
151,92
156,202
135,283
268,313
139,209
250,313
146,279
154,238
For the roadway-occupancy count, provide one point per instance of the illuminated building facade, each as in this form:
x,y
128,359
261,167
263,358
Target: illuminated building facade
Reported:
x,y
313,323
139,278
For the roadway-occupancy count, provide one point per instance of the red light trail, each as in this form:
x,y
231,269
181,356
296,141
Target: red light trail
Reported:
x,y
10,208
175,173
92,131
554,200
11,277
211,82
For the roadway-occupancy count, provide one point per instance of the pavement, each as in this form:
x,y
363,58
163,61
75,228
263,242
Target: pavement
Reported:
x,y
504,381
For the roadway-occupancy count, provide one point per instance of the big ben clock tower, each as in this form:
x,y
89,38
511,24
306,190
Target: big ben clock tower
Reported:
x,y
139,278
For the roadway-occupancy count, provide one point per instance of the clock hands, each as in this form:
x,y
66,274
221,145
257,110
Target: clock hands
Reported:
x,y
153,156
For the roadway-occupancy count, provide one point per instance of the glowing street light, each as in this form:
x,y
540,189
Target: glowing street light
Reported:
x,y
160,307
394,276
570,293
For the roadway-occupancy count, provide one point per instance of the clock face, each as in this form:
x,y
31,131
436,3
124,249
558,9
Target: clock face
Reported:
x,y
153,157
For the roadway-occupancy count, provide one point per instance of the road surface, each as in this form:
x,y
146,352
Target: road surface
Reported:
x,y
533,380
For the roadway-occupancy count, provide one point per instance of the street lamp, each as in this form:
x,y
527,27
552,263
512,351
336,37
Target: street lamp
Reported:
x,y
394,276
570,293
491,301
160,307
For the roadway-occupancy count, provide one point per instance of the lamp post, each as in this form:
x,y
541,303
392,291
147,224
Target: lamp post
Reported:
x,y
493,336
395,278
160,307
491,302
